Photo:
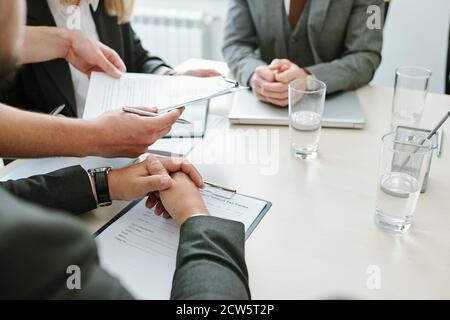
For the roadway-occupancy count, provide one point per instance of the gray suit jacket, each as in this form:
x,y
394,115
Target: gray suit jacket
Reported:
x,y
346,52
39,243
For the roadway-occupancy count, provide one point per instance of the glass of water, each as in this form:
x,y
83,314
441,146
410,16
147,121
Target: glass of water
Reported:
x,y
306,107
410,93
404,163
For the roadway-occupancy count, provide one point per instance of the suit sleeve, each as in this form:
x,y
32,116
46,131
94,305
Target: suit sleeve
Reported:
x,y
42,249
39,246
67,189
211,261
143,60
241,42
362,53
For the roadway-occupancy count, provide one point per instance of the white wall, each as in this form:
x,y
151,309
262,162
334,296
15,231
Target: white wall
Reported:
x,y
215,8
416,33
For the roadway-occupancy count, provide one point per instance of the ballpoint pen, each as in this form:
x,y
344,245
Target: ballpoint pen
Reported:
x,y
432,133
233,82
150,114
220,187
229,193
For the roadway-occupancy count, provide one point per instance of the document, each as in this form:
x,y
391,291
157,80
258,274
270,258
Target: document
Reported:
x,y
140,248
163,92
135,89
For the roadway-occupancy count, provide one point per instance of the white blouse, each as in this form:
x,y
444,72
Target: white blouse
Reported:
x,y
77,18
287,6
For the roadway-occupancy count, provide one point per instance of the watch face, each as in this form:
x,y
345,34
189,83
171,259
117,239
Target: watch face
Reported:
x,y
100,170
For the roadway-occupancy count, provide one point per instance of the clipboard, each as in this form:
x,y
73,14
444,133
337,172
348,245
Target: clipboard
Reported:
x,y
211,188
191,130
182,131
229,87
228,194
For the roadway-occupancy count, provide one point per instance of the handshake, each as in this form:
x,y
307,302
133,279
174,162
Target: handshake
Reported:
x,y
271,83
172,186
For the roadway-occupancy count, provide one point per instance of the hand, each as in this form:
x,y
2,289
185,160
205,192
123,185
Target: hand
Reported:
x,y
266,88
286,71
181,201
151,175
88,55
121,134
49,43
202,73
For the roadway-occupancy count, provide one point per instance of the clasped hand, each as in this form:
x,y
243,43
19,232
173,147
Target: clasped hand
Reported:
x,y
271,83
171,184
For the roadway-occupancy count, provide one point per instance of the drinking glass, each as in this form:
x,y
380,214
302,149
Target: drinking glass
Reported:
x,y
306,107
404,162
410,93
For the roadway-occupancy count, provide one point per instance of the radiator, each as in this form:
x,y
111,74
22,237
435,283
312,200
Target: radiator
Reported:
x,y
175,35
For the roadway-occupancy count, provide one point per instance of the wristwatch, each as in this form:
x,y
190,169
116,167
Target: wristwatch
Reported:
x,y
100,176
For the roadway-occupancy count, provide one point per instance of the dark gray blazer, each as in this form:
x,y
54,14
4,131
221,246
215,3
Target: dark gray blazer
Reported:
x,y
346,53
43,86
38,243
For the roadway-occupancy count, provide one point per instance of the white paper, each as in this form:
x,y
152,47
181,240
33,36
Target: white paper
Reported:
x,y
238,208
140,248
137,90
134,90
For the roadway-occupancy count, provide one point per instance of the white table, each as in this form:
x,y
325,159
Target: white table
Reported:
x,y
319,238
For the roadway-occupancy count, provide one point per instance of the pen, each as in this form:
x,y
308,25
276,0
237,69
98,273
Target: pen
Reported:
x,y
432,133
150,114
57,110
233,82
220,187
439,148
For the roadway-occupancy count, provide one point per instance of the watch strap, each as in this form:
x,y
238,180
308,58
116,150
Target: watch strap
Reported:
x,y
101,186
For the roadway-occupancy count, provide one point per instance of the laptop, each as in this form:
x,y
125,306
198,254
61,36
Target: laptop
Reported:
x,y
342,110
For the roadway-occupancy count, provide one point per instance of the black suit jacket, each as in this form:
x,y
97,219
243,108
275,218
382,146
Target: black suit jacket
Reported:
x,y
67,189
38,244
44,86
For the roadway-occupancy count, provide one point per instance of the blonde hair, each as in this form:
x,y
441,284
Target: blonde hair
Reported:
x,y
122,9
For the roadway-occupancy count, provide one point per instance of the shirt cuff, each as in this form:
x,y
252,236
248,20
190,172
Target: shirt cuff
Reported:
x,y
310,81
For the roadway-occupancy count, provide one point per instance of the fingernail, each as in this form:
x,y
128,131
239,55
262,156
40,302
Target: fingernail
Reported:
x,y
166,182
